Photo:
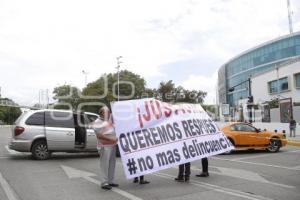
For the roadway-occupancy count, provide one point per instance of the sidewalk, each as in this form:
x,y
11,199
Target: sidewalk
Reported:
x,y
293,141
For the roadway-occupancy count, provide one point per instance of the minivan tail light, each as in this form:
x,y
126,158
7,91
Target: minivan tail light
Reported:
x,y
19,130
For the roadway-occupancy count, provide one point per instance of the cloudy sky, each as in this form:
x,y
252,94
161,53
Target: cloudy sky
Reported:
x,y
44,44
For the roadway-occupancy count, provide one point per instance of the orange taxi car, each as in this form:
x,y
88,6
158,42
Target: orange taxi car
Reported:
x,y
245,136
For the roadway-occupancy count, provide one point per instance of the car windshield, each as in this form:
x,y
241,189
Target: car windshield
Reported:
x,y
244,128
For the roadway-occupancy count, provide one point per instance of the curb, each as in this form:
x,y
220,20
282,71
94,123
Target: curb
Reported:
x,y
5,126
293,143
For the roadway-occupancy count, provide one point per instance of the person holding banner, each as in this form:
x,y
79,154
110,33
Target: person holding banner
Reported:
x,y
204,168
106,145
142,181
154,136
184,172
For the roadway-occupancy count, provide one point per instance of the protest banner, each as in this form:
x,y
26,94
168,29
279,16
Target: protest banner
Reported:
x,y
154,135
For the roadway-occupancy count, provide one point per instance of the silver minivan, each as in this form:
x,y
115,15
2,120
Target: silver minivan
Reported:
x,y
42,132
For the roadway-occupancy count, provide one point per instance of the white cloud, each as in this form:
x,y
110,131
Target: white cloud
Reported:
x,y
47,43
204,83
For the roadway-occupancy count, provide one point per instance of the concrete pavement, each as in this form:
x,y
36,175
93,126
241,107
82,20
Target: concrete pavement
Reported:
x,y
241,175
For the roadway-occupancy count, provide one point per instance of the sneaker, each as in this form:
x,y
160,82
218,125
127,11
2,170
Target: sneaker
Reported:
x,y
203,174
144,182
179,179
114,185
106,187
187,179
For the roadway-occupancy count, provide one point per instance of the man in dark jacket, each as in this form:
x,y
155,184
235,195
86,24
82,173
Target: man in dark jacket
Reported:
x,y
184,172
204,168
292,127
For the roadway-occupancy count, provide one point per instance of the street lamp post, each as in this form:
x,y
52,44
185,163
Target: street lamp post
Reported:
x,y
118,74
85,76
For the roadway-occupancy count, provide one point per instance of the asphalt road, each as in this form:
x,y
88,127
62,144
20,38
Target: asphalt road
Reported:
x,y
241,175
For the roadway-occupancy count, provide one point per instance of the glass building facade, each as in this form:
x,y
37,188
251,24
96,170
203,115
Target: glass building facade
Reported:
x,y
254,61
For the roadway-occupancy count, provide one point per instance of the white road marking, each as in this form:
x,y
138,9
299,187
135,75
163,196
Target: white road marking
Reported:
x,y
75,173
294,151
251,157
297,167
243,174
265,155
218,188
117,190
253,163
7,189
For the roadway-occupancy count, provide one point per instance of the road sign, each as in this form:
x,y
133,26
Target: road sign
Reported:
x,y
225,109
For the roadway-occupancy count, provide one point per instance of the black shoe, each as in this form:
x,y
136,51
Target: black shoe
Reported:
x,y
113,185
136,180
203,174
144,182
106,187
187,179
179,179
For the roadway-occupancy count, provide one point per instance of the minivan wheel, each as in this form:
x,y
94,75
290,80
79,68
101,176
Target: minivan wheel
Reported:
x,y
40,150
274,145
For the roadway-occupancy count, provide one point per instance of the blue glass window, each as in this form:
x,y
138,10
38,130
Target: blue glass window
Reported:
x,y
273,88
283,84
260,60
297,80
298,41
280,85
297,50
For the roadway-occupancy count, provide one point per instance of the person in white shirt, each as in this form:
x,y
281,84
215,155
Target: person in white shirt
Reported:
x,y
106,145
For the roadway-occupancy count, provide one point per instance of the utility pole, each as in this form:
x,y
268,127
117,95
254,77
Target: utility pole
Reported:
x,y
85,73
40,91
290,16
118,72
47,93
250,97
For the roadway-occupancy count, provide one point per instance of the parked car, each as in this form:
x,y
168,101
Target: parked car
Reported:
x,y
245,136
42,132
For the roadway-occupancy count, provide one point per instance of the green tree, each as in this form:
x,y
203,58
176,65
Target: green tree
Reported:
x,y
189,96
150,93
168,92
107,84
66,94
274,103
209,108
9,114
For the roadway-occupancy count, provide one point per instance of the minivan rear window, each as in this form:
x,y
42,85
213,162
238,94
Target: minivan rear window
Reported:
x,y
36,119
20,118
59,119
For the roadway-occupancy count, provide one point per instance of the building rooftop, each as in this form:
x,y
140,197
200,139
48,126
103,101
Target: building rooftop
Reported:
x,y
263,44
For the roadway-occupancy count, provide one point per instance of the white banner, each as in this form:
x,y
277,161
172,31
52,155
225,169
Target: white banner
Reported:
x,y
154,135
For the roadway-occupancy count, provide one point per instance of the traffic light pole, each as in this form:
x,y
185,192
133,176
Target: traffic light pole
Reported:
x,y
250,100
248,80
250,97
